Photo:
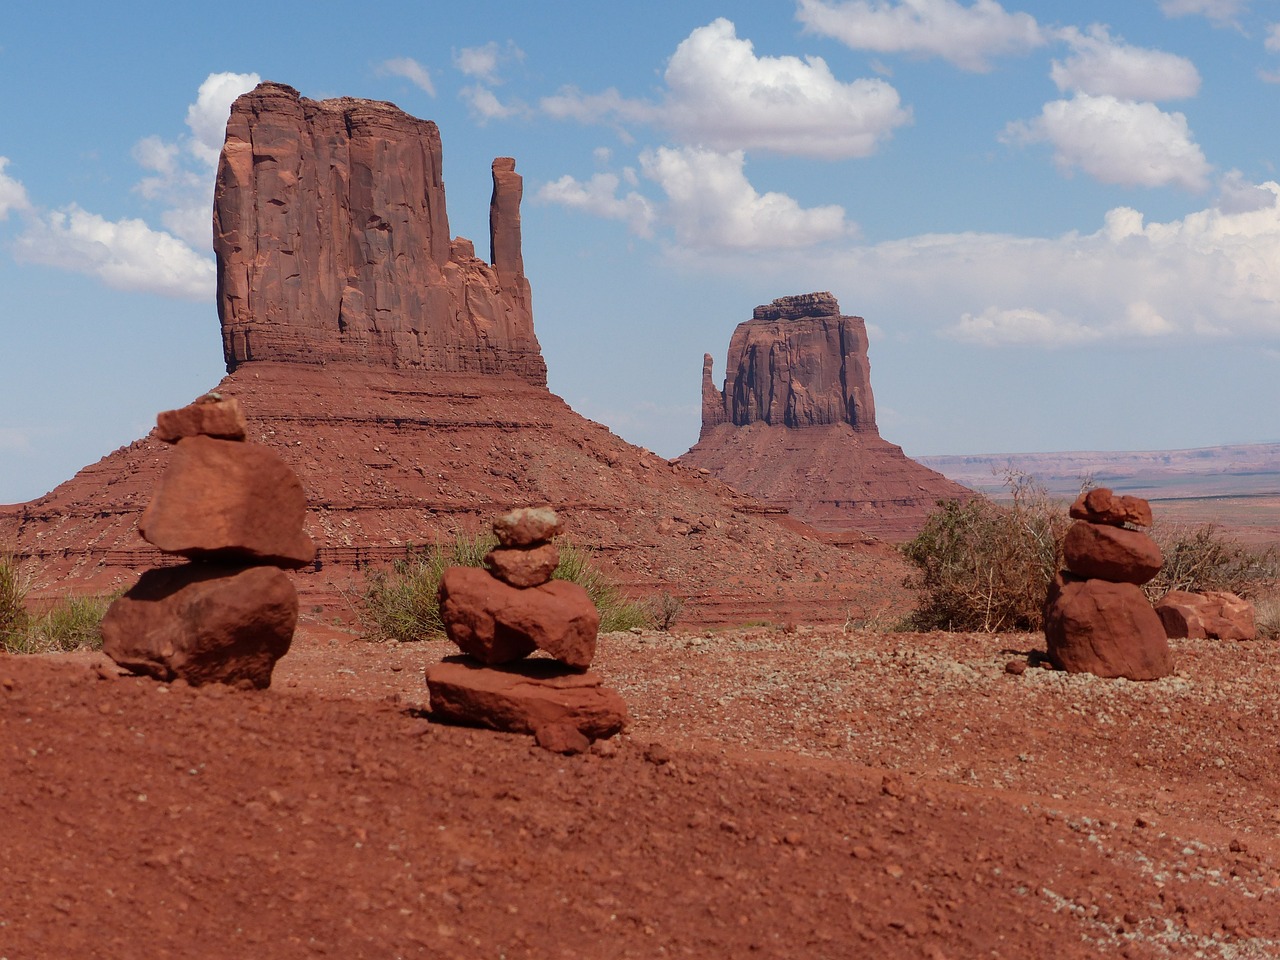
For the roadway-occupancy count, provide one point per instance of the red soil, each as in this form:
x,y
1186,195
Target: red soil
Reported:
x,y
805,794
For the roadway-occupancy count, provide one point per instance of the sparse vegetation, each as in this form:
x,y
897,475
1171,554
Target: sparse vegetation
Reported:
x,y
70,624
1206,558
986,566
402,603
664,609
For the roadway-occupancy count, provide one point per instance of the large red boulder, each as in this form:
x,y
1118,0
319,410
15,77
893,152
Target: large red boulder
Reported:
x,y
229,501
1214,614
524,697
204,623
497,623
1107,629
1100,505
1096,550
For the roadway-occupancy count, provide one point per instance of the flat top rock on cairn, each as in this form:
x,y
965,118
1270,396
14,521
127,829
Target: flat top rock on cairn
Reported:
x,y
526,526
222,499
1100,505
211,416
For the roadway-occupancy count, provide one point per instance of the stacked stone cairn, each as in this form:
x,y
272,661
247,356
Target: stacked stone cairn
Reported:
x,y
235,511
499,616
1097,619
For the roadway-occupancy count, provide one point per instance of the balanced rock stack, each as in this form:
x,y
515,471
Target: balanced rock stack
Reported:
x,y
236,511
497,617
1097,619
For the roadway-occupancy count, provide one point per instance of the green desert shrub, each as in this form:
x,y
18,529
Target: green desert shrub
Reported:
x,y
402,603
981,565
69,624
13,599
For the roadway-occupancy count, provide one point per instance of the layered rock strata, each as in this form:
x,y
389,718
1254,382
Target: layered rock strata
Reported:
x,y
333,244
1097,619
237,510
497,625
795,424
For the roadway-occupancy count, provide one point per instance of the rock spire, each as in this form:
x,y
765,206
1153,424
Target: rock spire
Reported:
x,y
333,244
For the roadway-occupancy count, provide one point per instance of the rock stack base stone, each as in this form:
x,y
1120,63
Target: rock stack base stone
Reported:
x,y
237,511
1097,619
497,618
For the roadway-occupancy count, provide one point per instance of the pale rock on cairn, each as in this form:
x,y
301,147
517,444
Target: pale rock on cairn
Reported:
x,y
499,616
1097,619
235,510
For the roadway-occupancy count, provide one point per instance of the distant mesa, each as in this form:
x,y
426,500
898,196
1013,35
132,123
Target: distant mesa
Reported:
x,y
333,244
795,425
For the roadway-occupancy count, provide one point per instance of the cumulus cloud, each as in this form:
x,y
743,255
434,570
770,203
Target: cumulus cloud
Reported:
x,y
411,70
207,116
1221,12
721,96
481,63
1100,65
1272,42
711,204
13,195
967,37
125,254
485,105
599,196
1117,141
1213,273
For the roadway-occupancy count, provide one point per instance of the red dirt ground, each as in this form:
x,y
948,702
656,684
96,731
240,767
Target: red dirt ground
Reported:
x,y
812,793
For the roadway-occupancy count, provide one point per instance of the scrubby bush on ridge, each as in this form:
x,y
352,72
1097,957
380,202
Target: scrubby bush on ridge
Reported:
x,y
402,603
70,624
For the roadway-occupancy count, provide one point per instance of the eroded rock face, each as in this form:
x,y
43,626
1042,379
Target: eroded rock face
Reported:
x,y
1107,629
333,244
797,363
795,425
204,623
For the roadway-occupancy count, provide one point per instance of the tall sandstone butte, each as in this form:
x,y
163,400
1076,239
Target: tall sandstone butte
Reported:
x,y
333,244
400,377
795,424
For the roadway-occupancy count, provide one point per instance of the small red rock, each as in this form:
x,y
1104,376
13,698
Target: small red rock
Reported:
x,y
210,416
526,526
1104,552
1100,505
1016,667
529,567
561,738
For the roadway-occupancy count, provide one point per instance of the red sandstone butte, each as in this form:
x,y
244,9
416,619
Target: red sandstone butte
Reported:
x,y
497,623
524,697
1107,629
237,502
203,623
795,425
333,244
1104,552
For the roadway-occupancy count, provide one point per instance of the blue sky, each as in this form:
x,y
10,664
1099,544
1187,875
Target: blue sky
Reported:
x,y
1060,219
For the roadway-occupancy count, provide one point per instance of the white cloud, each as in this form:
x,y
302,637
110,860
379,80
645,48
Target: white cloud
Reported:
x,y
599,196
1117,141
1099,65
1213,273
967,37
1272,43
722,96
1221,12
411,70
125,254
1237,195
485,106
13,195
711,204
13,440
207,117
482,62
